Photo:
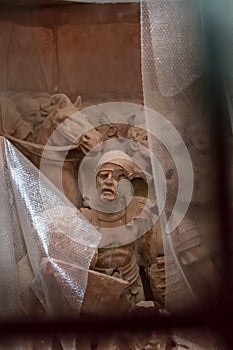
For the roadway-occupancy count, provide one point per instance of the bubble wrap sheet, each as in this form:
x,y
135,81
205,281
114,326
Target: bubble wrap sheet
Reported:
x,y
41,232
175,28
171,34
173,85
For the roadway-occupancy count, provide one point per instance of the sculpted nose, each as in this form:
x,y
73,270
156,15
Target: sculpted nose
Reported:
x,y
109,179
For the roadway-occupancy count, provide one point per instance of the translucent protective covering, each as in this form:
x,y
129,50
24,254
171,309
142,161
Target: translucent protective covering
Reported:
x,y
43,237
175,28
172,65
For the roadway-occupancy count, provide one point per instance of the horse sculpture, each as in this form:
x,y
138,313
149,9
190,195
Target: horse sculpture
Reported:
x,y
58,145
71,131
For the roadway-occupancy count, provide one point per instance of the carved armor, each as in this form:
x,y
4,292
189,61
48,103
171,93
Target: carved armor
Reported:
x,y
123,260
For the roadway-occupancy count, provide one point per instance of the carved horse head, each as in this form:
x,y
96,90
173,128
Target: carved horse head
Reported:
x,y
66,127
63,128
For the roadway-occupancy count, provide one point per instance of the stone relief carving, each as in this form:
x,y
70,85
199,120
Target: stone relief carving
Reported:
x,y
30,121
54,112
120,259
33,118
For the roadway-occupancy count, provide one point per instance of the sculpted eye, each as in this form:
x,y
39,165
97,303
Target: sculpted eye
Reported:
x,y
103,175
121,176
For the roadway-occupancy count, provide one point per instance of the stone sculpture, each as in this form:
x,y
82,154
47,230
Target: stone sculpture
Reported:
x,y
103,124
139,145
127,256
121,260
124,246
11,122
56,102
74,133
33,119
116,136
29,109
69,131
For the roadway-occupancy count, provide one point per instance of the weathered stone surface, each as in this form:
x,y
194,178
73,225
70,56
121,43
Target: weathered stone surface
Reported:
x,y
75,14
87,49
30,59
5,30
98,59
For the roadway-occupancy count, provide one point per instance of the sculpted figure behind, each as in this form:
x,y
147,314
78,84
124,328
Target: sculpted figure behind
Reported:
x,y
130,243
11,122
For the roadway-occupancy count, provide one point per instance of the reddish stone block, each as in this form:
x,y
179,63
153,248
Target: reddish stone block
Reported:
x,y
31,60
96,59
5,30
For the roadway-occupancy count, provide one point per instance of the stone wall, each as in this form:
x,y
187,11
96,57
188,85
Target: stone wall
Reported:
x,y
87,49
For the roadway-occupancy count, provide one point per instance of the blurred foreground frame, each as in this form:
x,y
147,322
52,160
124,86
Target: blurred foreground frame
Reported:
x,y
211,316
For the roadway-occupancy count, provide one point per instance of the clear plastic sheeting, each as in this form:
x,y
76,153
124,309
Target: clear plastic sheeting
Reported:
x,y
171,35
42,236
175,28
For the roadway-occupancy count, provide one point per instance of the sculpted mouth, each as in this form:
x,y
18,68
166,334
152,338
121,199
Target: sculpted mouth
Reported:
x,y
107,190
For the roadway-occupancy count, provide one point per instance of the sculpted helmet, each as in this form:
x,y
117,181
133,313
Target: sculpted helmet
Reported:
x,y
117,158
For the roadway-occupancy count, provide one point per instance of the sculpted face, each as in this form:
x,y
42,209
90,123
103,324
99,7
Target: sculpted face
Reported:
x,y
107,181
107,131
139,135
29,108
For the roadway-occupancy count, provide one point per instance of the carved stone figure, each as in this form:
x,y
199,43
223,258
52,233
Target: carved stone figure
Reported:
x,y
103,124
116,137
109,131
58,165
57,102
69,131
11,122
200,145
70,128
138,135
29,108
120,222
130,238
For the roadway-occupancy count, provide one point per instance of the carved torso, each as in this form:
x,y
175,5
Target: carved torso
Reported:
x,y
110,257
116,257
